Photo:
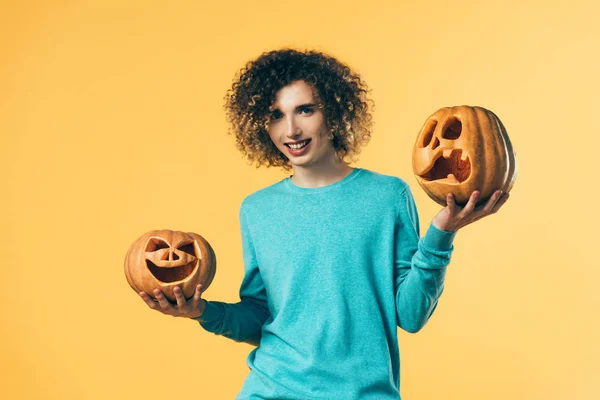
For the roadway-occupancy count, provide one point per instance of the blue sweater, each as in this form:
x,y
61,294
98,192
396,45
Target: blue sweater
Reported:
x,y
330,272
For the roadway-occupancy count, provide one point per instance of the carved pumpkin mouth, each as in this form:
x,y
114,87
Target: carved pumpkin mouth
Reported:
x,y
172,274
449,166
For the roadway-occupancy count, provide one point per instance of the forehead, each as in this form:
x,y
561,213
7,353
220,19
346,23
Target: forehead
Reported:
x,y
298,92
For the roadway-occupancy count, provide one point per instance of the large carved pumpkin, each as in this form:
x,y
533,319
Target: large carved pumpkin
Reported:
x,y
165,259
461,149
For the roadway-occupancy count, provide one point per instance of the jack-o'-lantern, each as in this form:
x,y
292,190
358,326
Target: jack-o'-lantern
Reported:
x,y
165,259
462,149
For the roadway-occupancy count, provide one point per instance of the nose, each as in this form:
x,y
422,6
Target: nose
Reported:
x,y
169,256
293,130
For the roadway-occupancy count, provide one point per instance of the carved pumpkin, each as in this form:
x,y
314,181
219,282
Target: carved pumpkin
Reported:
x,y
165,259
461,149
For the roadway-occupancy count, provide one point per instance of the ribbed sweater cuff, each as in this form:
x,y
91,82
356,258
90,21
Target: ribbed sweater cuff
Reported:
x,y
212,313
437,239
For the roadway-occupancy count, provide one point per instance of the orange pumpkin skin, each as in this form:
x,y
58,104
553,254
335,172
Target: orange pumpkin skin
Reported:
x,y
461,149
165,259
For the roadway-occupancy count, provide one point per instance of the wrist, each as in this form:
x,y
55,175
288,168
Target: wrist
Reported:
x,y
443,227
436,238
199,310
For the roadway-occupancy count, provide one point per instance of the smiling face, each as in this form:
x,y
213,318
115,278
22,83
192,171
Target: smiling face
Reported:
x,y
296,118
166,259
172,257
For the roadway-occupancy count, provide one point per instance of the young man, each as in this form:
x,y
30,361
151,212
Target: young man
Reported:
x,y
334,261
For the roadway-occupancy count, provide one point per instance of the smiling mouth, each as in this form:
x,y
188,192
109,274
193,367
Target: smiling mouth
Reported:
x,y
171,274
450,166
305,142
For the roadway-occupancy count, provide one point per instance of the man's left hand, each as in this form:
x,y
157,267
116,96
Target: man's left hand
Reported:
x,y
453,217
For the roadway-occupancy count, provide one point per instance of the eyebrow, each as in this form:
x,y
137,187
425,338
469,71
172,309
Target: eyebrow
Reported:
x,y
272,110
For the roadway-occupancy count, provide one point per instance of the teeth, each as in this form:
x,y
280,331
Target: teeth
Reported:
x,y
448,152
452,179
298,146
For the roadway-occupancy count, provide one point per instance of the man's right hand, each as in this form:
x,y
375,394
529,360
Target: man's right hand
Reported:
x,y
192,308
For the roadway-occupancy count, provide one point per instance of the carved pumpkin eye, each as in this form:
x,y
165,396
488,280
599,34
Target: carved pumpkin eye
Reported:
x,y
462,149
448,163
155,244
453,130
188,248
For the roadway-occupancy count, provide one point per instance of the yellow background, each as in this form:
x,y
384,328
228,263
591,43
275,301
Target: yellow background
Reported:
x,y
112,125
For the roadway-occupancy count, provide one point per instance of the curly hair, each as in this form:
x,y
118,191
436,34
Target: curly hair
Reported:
x,y
341,95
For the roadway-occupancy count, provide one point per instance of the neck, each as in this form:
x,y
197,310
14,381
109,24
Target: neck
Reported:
x,y
318,176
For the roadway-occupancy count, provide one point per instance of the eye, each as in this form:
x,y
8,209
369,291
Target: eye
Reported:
x,y
306,109
188,248
155,244
274,116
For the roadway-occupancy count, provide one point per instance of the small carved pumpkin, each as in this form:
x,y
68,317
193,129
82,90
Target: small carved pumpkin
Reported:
x,y
165,259
461,149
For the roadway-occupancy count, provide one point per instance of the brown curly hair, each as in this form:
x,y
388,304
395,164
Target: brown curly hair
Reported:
x,y
340,93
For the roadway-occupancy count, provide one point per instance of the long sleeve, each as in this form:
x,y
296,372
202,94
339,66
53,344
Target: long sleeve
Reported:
x,y
420,266
242,321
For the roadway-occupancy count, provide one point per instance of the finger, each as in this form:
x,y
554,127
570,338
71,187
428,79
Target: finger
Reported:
x,y
450,202
197,294
471,203
181,303
477,218
500,202
162,301
492,201
151,303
